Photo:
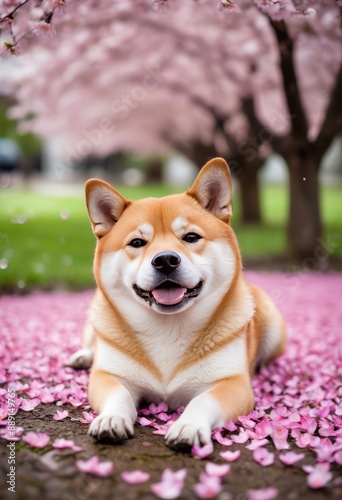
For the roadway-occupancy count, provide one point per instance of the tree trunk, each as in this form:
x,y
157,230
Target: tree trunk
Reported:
x,y
154,171
249,196
304,225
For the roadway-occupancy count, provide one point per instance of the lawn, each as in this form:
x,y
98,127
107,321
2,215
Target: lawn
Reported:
x,y
46,241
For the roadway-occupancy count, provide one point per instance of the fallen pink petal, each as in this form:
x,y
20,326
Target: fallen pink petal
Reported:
x,y
217,436
241,438
146,422
94,466
263,457
135,477
87,417
171,484
202,451
65,443
216,470
291,458
230,456
60,415
263,494
37,439
319,476
208,487
255,443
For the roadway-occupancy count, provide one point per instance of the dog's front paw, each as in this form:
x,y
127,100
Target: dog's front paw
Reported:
x,y
185,435
113,428
81,359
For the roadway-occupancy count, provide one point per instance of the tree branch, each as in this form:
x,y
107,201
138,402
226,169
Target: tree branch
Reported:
x,y
10,14
332,124
291,88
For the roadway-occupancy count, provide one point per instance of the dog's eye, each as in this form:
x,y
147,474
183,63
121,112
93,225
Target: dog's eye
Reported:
x,y
191,237
137,243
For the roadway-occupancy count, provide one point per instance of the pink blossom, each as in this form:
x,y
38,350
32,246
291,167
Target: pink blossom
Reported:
x,y
325,451
164,416
279,436
94,466
338,457
60,415
255,443
241,438
326,429
9,436
264,494
161,430
160,408
319,476
230,426
291,458
42,28
202,452
216,470
208,487
171,484
263,457
65,443
37,439
29,404
217,436
88,417
263,429
304,440
230,456
135,476
146,422
246,422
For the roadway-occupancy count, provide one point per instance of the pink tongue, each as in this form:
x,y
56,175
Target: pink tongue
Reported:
x,y
168,296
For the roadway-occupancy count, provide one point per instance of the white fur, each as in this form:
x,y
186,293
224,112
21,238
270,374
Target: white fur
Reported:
x,y
117,418
181,226
194,426
270,341
180,389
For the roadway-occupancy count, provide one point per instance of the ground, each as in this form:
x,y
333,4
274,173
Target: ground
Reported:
x,y
300,394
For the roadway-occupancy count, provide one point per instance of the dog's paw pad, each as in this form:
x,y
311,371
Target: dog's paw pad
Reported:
x,y
81,359
111,428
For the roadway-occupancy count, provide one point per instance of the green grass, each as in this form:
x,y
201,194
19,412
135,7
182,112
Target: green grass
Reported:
x,y
47,250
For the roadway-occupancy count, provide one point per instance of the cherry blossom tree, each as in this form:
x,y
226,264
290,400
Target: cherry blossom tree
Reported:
x,y
240,79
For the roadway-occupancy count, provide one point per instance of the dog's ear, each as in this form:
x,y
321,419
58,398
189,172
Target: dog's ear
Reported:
x,y
213,189
105,206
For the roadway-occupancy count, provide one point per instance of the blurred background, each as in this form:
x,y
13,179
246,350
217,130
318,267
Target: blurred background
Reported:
x,y
145,117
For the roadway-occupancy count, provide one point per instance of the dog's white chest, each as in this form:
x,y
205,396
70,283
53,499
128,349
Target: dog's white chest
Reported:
x,y
178,388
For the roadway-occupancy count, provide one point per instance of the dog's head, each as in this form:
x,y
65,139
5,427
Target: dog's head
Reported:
x,y
166,253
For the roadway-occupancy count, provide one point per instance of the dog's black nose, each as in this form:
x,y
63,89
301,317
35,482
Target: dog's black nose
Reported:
x,y
166,262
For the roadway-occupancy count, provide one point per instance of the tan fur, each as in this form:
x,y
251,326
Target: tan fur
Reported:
x,y
101,385
235,395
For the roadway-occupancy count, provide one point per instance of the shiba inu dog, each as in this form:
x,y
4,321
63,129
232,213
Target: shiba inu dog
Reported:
x,y
173,318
